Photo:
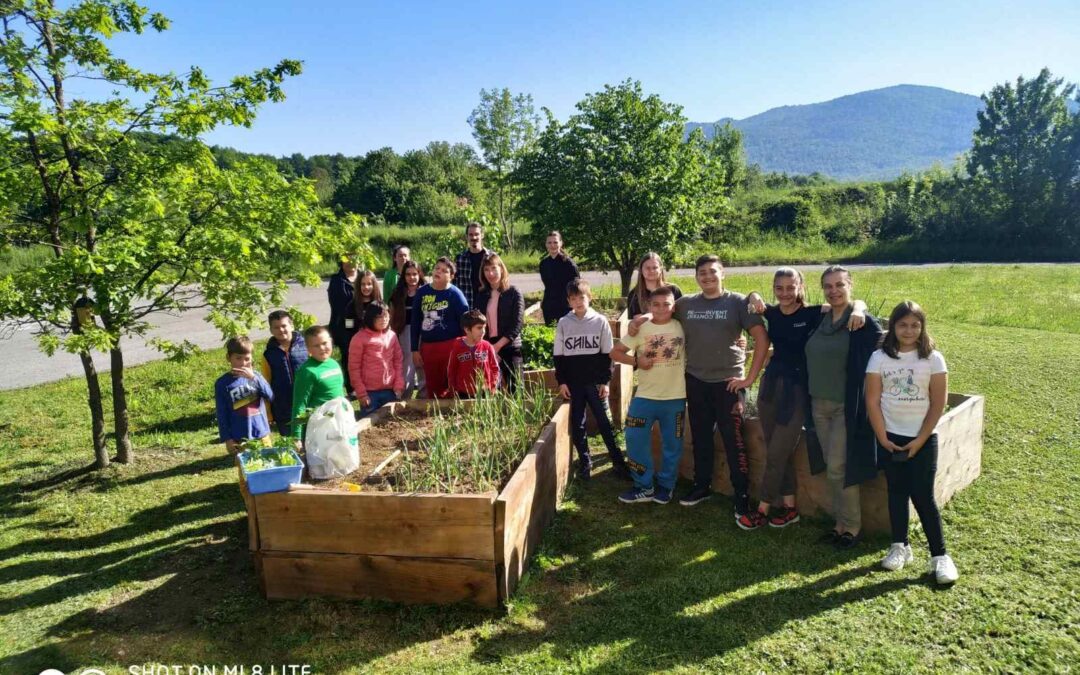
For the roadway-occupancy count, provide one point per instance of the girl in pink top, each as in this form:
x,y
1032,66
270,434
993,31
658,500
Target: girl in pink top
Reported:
x,y
375,361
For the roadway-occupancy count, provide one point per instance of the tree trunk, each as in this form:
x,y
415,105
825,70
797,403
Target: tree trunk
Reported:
x,y
124,453
626,274
97,414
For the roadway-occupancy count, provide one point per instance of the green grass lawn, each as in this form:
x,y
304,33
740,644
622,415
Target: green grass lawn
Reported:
x,y
148,563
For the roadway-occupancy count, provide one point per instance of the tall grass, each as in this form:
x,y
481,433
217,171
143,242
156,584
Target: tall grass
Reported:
x,y
19,258
477,445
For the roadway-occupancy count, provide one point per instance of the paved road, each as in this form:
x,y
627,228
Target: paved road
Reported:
x,y
22,365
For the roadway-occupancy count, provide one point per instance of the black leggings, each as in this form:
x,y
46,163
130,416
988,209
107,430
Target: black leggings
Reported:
x,y
710,406
914,480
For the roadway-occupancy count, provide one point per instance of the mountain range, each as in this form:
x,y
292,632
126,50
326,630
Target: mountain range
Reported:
x,y
873,134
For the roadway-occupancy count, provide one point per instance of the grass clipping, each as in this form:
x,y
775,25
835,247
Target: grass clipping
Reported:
x,y
476,446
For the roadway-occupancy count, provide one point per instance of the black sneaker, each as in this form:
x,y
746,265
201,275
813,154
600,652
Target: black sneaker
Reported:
x,y
830,537
621,471
695,496
584,471
848,540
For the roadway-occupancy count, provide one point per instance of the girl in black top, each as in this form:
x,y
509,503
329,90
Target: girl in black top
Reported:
x,y
410,279
650,276
782,398
556,271
504,307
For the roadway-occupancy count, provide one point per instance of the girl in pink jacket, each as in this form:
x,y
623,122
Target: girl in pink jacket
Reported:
x,y
375,361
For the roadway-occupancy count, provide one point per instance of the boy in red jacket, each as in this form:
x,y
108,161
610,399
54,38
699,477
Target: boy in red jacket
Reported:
x,y
472,358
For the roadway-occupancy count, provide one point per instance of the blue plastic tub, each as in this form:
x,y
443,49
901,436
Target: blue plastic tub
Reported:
x,y
276,479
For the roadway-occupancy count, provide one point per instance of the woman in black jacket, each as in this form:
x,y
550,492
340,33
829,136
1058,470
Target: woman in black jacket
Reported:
x,y
343,325
556,270
836,359
504,307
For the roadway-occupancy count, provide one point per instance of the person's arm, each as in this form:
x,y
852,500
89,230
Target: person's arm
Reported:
x,y
517,317
761,352
301,391
414,328
872,389
356,367
755,304
939,393
858,315
264,369
561,364
265,389
396,359
491,369
620,353
637,323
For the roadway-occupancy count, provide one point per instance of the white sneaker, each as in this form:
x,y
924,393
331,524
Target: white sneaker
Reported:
x,y
898,556
944,569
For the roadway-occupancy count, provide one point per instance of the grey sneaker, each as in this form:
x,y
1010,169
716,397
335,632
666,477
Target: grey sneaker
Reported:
x,y
944,569
898,556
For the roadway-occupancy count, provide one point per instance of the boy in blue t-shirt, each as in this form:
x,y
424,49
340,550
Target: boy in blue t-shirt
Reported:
x,y
239,395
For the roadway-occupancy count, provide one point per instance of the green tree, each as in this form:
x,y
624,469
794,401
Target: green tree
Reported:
x,y
619,179
1018,159
137,224
504,126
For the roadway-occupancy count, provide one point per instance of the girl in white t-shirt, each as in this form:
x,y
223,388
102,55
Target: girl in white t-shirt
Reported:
x,y
906,387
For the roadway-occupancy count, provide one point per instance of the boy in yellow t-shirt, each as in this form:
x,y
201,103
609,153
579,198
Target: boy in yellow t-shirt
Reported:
x,y
658,352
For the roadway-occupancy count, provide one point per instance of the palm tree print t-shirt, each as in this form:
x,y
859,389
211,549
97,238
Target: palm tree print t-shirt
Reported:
x,y
665,345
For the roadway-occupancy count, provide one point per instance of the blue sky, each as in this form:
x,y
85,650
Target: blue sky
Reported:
x,y
401,74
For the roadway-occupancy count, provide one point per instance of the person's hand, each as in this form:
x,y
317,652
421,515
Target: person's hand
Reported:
x,y
913,446
603,390
735,384
889,445
755,304
637,323
365,402
741,342
564,391
857,319
244,372
399,393
417,360
644,362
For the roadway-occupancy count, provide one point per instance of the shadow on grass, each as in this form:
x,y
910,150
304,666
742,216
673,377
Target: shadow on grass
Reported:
x,y
660,587
181,425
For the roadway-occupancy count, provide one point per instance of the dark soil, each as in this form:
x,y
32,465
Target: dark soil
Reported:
x,y
401,432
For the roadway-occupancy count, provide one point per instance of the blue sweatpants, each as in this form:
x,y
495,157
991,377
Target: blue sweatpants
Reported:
x,y
638,431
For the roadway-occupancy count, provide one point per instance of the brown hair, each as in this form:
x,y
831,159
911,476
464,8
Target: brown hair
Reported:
x,y
473,317
239,345
504,279
666,289
833,269
890,345
400,295
707,259
359,300
578,287
449,264
640,289
312,331
792,273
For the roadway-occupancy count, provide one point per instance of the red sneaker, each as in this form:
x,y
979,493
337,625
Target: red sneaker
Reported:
x,y
751,520
784,517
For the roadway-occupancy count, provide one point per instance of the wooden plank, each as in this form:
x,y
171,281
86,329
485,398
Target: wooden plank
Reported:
x,y
526,506
401,579
323,521
249,506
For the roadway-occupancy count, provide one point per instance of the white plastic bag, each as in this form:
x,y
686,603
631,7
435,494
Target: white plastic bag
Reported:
x,y
330,440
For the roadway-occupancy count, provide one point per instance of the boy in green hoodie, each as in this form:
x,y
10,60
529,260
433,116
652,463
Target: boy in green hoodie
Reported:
x,y
320,378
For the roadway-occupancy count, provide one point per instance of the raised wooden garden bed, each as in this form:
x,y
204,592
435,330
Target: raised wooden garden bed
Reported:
x,y
959,464
414,548
622,376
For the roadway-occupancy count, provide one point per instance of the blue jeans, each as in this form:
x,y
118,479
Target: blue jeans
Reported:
x,y
638,430
379,398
